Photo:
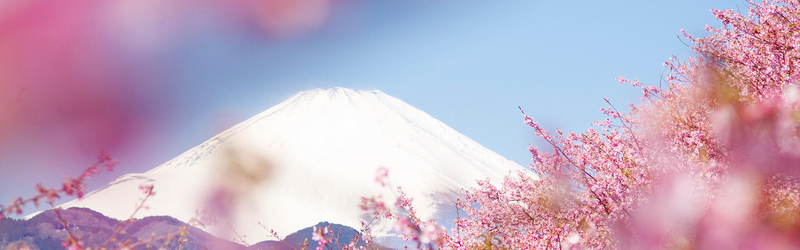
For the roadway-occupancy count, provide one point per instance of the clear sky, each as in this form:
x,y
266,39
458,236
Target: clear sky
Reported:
x,y
467,63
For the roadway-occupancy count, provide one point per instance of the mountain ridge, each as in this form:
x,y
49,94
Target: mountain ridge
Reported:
x,y
45,231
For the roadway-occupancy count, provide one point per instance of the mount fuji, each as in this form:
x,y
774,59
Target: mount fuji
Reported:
x,y
310,159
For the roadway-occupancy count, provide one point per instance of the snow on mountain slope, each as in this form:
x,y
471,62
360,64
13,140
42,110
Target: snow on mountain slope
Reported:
x,y
320,150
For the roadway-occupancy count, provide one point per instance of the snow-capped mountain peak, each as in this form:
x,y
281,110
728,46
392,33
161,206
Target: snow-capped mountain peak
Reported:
x,y
310,159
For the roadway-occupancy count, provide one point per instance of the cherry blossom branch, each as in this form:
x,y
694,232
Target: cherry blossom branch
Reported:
x,y
625,125
275,234
71,242
558,149
238,237
148,191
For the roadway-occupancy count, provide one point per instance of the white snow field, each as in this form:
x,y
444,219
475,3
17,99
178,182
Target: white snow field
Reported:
x,y
310,159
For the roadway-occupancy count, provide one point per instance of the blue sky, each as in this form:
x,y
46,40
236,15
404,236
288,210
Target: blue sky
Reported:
x,y
467,63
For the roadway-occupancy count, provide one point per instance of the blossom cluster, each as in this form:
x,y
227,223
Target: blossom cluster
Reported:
x,y
710,159
406,223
